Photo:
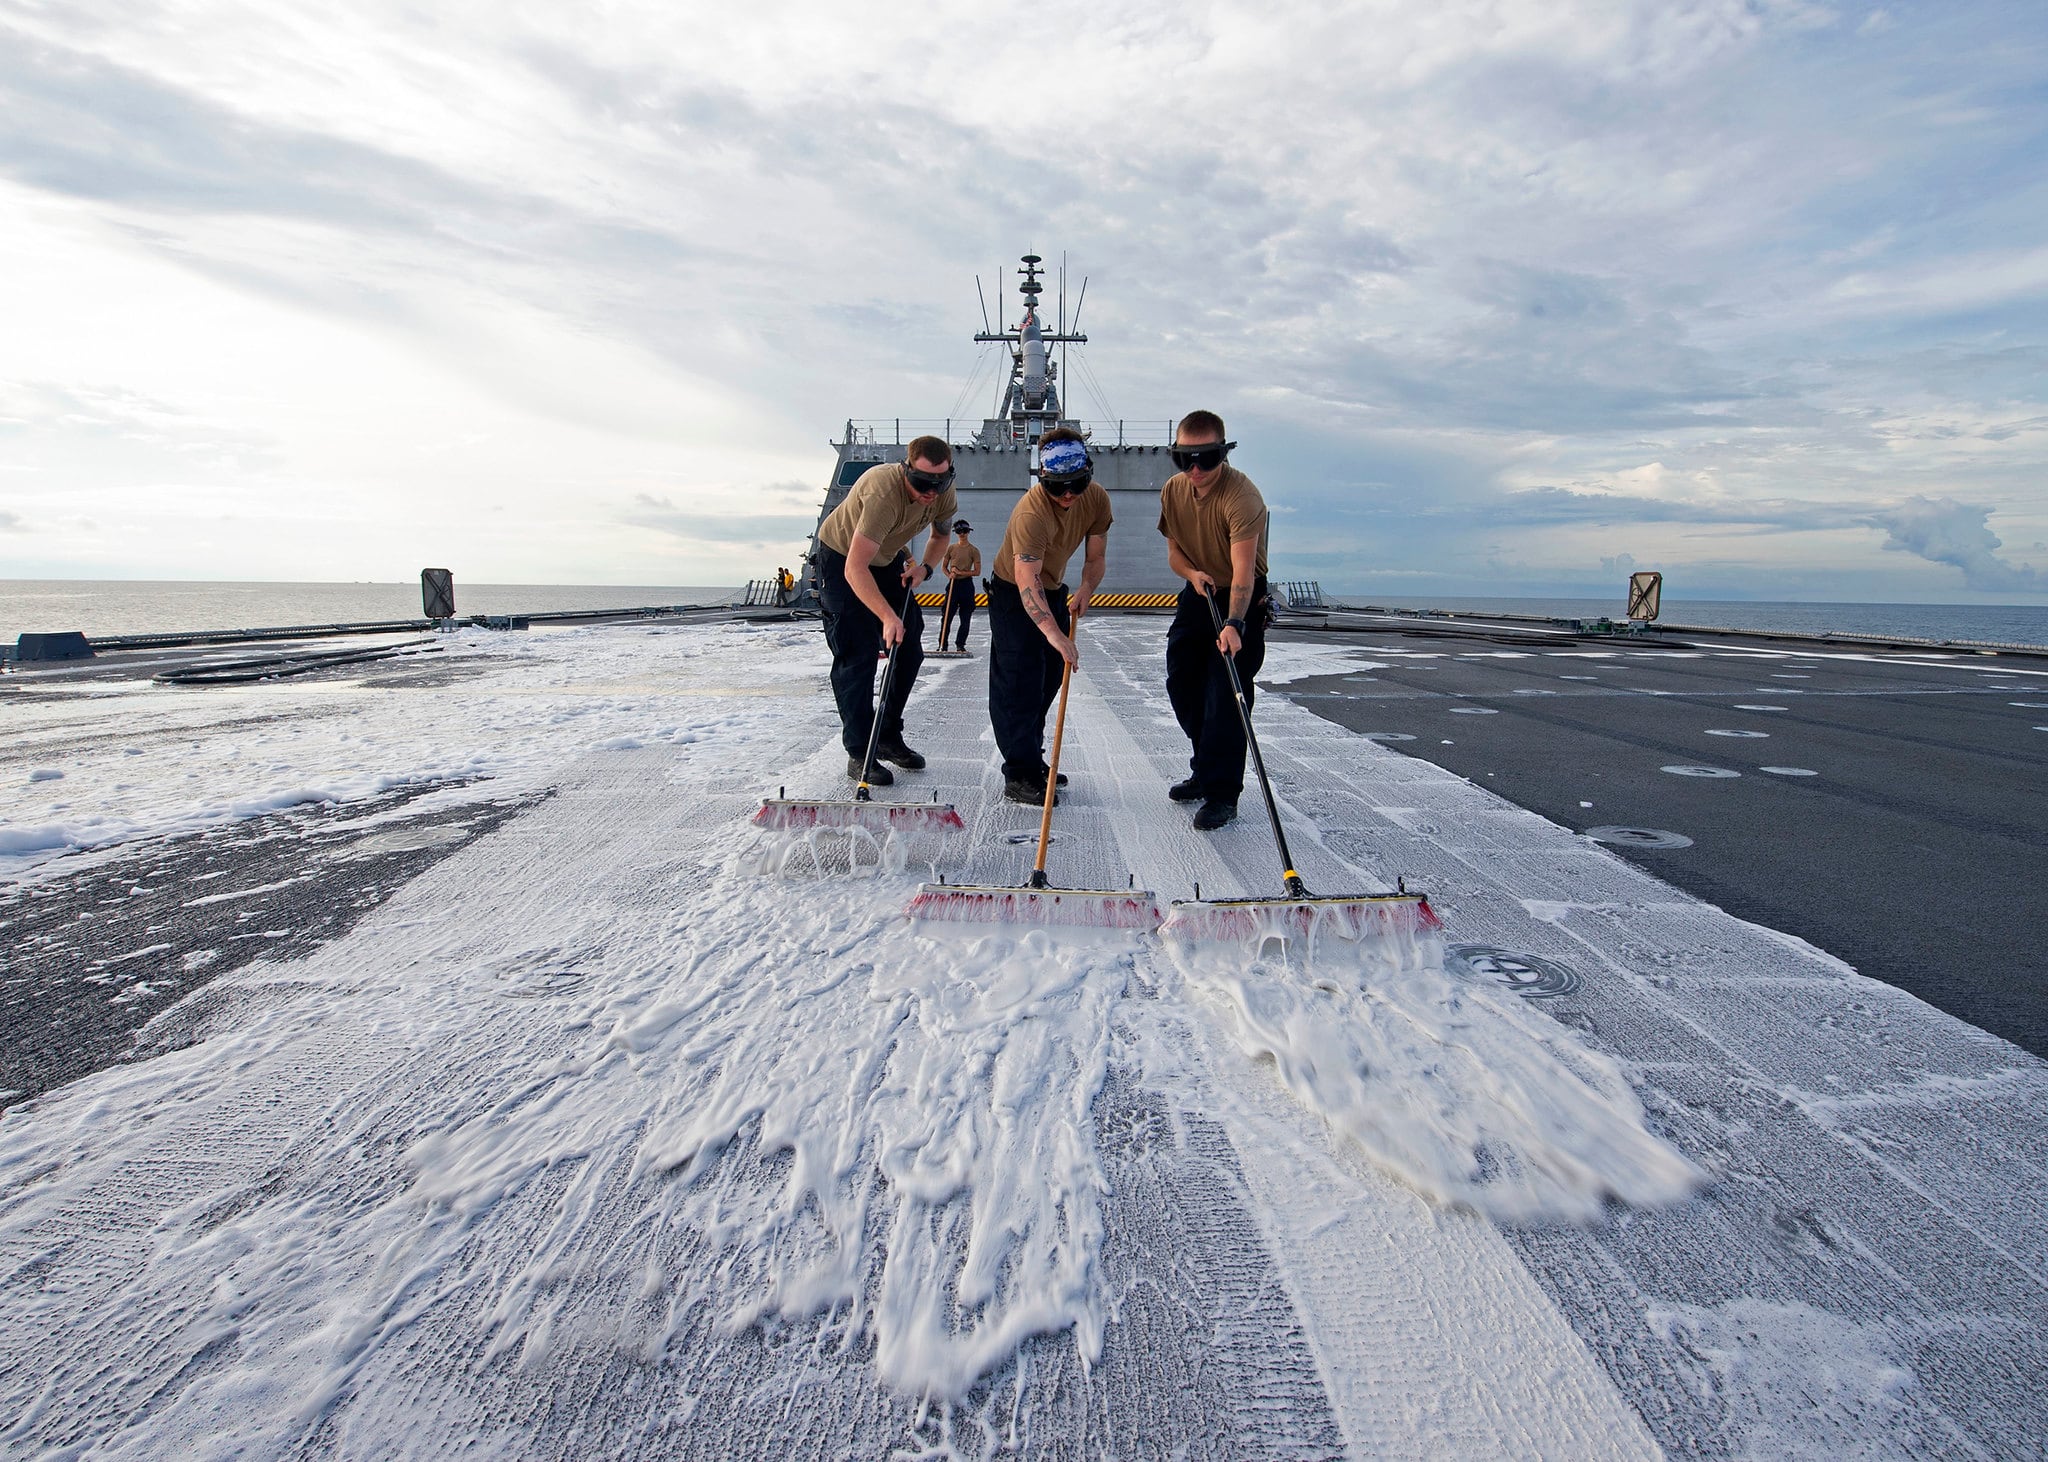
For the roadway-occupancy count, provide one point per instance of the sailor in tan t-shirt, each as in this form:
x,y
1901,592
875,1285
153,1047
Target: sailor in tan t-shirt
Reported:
x,y
866,584
963,566
1029,614
1215,524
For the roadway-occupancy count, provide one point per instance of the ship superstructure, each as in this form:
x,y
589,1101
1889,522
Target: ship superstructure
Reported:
x,y
993,460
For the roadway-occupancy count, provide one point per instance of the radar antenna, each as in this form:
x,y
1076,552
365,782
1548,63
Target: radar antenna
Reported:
x,y
1031,402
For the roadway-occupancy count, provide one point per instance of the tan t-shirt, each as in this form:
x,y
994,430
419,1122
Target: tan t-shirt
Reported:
x,y
1041,529
964,558
881,507
1232,512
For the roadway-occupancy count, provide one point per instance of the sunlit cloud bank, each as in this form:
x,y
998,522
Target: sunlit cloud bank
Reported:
x,y
1495,299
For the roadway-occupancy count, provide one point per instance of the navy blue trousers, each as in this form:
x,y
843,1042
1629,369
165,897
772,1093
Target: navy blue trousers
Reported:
x,y
1198,685
855,636
1023,676
960,594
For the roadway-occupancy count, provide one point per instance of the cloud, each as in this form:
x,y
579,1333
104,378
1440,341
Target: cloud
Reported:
x,y
12,522
1943,530
1474,265
751,530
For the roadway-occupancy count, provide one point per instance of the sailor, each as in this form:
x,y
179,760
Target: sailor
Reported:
x,y
1215,525
963,567
1029,612
866,590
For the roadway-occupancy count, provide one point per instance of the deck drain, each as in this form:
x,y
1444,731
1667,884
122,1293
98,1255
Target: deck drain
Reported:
x,y
1386,736
1700,771
1751,734
1638,837
1529,975
1031,837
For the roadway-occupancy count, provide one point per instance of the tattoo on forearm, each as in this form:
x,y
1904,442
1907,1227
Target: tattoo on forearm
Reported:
x,y
1240,600
1035,603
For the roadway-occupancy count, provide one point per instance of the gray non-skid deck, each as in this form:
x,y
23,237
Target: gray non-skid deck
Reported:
x,y
1865,1274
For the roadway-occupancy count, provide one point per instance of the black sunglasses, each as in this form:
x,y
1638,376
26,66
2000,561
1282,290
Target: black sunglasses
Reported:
x,y
928,482
1204,458
1064,486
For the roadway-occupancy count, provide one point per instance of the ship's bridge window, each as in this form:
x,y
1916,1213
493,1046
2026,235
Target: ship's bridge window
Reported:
x,y
849,472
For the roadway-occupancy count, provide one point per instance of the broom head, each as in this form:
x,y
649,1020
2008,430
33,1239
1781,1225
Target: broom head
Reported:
x,y
1358,918
1083,908
800,813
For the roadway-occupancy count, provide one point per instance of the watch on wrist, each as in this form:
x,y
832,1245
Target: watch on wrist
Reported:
x,y
1234,623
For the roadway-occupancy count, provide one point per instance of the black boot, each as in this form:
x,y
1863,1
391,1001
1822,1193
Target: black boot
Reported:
x,y
1214,814
1028,790
891,748
1188,791
878,775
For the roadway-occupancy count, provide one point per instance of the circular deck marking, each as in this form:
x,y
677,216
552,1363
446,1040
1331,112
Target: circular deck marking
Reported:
x,y
1529,975
1031,837
1759,708
1386,736
1700,771
1789,771
1752,735
1474,711
1638,837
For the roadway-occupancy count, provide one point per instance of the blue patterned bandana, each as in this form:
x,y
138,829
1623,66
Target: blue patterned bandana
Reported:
x,y
1064,459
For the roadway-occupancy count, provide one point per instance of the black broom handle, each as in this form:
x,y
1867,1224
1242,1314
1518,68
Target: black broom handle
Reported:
x,y
1296,889
860,793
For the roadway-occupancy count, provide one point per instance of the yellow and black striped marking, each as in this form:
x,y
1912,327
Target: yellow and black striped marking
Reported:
x,y
1100,601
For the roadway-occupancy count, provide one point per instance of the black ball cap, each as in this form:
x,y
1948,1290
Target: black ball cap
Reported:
x,y
961,526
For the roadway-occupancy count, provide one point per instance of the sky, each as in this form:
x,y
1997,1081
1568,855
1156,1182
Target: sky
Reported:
x,y
1498,297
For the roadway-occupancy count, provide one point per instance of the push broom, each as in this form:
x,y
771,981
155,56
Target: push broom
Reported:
x,y
945,621
1297,914
1038,901
861,810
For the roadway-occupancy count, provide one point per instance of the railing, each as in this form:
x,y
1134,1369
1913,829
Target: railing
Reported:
x,y
763,593
1299,594
896,430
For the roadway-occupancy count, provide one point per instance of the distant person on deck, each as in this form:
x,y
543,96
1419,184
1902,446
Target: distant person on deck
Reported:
x,y
866,588
1030,624
963,567
1215,524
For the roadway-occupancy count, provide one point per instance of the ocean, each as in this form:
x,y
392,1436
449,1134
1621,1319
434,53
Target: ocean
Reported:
x,y
146,606
1998,624
135,606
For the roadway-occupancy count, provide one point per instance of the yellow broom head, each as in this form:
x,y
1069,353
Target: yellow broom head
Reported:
x,y
1084,908
782,813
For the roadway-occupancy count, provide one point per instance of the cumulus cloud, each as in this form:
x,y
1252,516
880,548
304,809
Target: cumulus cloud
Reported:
x,y
1946,531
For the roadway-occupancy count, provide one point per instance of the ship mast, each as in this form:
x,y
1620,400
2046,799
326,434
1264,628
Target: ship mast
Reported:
x,y
1031,401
